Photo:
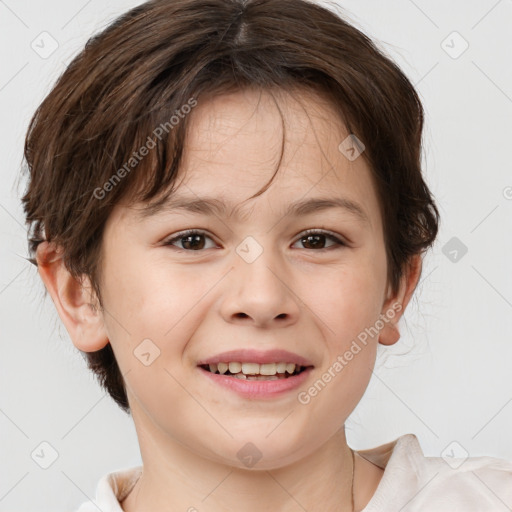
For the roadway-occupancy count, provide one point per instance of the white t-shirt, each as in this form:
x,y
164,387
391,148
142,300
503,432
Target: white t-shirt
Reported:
x,y
411,482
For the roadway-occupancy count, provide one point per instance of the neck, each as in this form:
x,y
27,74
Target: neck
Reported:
x,y
175,478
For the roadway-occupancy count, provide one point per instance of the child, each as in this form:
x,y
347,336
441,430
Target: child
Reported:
x,y
281,137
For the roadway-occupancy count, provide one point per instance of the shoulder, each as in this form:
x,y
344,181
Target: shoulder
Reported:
x,y
111,490
474,483
413,482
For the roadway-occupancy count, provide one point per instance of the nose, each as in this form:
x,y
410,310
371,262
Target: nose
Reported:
x,y
260,293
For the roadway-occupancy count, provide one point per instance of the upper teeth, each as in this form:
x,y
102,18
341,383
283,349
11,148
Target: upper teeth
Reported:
x,y
253,368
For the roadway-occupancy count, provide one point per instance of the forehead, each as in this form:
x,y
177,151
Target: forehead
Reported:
x,y
236,141
250,130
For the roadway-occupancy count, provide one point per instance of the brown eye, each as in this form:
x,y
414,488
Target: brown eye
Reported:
x,y
191,240
316,240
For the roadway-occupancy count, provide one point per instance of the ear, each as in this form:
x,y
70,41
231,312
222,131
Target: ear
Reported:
x,y
397,303
75,301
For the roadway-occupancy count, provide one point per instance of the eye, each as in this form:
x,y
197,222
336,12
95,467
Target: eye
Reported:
x,y
190,240
316,238
193,240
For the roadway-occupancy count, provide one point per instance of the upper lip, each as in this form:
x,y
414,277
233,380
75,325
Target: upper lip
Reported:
x,y
256,356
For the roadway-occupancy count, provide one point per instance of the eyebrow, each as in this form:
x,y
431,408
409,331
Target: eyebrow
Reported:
x,y
214,206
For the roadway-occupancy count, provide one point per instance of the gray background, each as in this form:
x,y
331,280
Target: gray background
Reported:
x,y
455,384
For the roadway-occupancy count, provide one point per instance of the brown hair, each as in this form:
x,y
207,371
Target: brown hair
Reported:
x,y
143,68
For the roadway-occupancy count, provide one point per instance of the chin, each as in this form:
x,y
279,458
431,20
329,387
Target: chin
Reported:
x,y
256,450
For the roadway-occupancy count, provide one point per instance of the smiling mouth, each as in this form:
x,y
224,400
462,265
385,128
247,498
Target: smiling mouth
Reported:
x,y
255,371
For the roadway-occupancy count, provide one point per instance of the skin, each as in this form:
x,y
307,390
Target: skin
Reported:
x,y
196,304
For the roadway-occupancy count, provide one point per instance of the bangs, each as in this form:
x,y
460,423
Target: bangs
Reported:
x,y
148,172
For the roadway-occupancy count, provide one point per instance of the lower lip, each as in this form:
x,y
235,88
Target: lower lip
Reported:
x,y
258,389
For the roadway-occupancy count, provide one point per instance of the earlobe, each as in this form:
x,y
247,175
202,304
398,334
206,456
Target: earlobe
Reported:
x,y
389,334
396,304
73,300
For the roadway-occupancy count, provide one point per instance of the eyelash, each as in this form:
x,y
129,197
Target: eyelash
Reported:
x,y
188,232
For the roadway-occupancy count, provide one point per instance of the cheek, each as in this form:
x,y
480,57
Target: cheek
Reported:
x,y
349,299
154,300
138,291
153,311
349,310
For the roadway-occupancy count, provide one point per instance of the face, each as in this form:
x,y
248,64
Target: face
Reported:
x,y
250,285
